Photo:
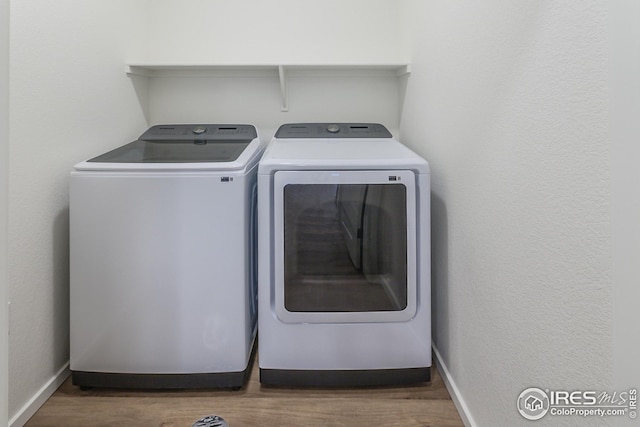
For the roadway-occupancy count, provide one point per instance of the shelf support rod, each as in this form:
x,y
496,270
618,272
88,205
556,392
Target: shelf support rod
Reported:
x,y
283,88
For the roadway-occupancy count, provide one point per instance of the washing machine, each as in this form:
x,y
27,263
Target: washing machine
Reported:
x,y
344,258
163,289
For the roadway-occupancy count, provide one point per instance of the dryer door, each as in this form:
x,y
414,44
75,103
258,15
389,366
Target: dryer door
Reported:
x,y
345,246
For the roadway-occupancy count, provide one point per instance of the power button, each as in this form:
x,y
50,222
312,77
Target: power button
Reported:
x,y
199,130
333,128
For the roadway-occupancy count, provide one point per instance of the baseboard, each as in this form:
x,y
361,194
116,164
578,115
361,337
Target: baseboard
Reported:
x,y
38,399
458,401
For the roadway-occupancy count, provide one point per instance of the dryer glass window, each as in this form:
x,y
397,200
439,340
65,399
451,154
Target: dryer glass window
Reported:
x,y
345,247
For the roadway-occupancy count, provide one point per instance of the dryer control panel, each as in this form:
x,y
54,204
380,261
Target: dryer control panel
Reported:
x,y
333,130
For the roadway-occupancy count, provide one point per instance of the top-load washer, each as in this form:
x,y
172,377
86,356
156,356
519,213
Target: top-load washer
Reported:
x,y
344,258
163,262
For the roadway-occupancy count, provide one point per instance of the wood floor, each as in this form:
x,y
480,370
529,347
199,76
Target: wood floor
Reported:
x,y
427,405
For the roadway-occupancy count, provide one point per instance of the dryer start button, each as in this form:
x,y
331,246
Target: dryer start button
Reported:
x,y
333,128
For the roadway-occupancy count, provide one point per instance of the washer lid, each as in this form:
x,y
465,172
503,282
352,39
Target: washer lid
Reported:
x,y
184,144
185,151
183,148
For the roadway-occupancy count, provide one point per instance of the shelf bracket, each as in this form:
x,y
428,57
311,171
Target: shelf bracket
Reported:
x,y
403,70
283,88
134,70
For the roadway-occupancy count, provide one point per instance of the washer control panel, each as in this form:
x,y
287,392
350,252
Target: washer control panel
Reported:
x,y
209,132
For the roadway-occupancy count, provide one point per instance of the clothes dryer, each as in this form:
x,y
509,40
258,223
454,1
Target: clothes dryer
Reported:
x,y
344,258
163,261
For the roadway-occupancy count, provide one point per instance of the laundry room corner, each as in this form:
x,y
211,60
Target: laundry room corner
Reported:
x,y
69,96
508,101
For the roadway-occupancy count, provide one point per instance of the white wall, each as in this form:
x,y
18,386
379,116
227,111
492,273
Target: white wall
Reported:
x,y
625,109
70,99
256,100
4,161
508,101
275,32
